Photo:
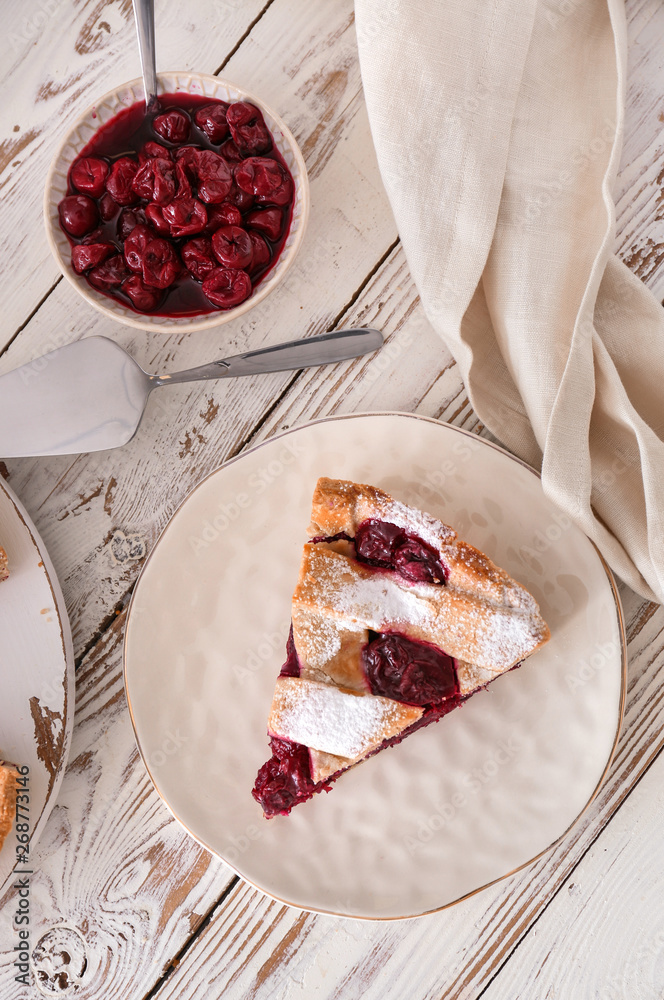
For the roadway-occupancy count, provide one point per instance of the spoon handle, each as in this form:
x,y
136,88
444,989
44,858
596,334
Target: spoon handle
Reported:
x,y
307,353
144,17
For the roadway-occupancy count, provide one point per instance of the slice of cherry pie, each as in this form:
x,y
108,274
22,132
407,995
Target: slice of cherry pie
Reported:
x,y
395,622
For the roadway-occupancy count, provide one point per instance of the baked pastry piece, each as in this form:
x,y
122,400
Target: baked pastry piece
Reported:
x,y
7,799
4,565
395,622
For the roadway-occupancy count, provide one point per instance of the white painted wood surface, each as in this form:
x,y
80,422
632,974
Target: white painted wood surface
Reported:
x,y
116,877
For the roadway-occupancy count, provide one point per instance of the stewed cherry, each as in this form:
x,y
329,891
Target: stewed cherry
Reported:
x,y
264,178
212,120
213,175
185,216
232,247
222,215
198,258
88,175
173,126
268,221
155,181
248,129
120,181
110,274
78,214
182,212
143,297
227,287
87,255
260,255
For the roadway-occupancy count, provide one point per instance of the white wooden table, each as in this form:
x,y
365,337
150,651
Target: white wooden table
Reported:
x,y
153,914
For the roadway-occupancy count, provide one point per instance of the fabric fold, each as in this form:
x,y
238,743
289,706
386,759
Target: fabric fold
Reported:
x,y
498,129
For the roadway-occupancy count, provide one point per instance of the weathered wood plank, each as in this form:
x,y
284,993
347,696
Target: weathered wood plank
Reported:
x,y
113,868
254,948
80,504
56,59
640,211
602,935
414,371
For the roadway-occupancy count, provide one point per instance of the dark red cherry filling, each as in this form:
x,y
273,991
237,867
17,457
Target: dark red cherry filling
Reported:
x,y
248,129
408,670
212,120
386,545
396,667
285,779
172,173
89,175
226,286
78,214
291,667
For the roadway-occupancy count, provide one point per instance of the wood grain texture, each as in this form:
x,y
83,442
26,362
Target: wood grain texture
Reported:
x,y
112,865
256,948
114,869
639,204
79,503
483,929
590,942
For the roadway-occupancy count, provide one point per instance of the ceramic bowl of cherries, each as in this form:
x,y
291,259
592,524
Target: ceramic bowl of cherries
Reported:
x,y
183,218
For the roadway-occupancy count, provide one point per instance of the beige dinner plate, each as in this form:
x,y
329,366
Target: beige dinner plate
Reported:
x,y
36,677
456,806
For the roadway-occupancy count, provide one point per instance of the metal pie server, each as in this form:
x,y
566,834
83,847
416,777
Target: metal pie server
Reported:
x,y
90,395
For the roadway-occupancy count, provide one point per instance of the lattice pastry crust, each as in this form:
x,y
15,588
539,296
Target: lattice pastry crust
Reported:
x,y
481,616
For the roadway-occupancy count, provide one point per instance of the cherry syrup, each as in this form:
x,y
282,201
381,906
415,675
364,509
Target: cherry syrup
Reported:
x,y
102,207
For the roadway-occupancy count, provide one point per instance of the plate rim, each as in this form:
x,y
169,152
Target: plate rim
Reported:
x,y
623,669
68,658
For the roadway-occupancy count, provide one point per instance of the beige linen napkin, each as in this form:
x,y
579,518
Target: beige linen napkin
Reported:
x,y
498,126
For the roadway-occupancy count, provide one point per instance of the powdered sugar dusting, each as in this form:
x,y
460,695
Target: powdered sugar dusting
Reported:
x,y
374,601
464,625
417,522
505,636
342,505
334,721
322,639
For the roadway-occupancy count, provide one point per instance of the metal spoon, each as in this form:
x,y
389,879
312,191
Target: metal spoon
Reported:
x,y
91,395
144,17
